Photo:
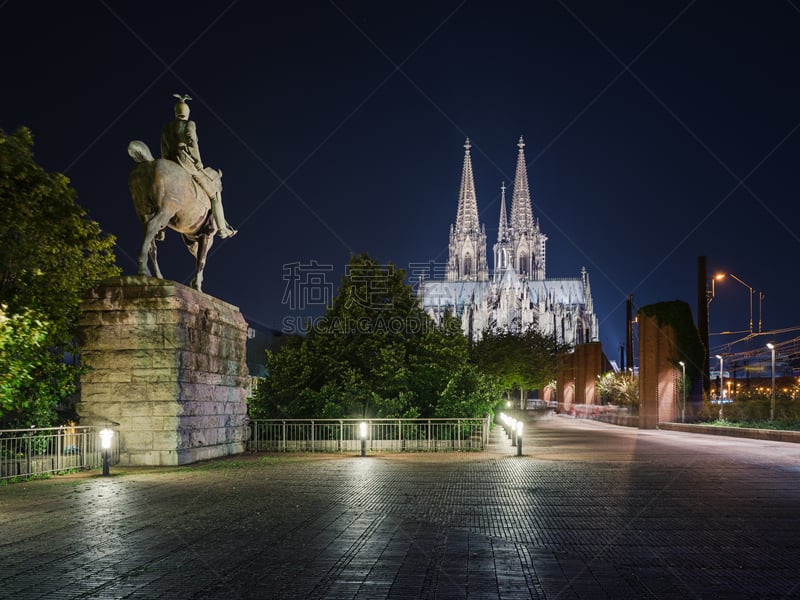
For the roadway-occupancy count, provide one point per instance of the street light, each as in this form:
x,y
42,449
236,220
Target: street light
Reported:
x,y
683,385
717,277
106,435
720,387
771,346
519,438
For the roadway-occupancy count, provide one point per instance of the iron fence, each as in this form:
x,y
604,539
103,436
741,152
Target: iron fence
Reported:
x,y
40,450
382,435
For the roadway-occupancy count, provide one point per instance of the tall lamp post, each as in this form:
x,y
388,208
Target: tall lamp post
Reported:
x,y
717,277
683,386
771,347
720,387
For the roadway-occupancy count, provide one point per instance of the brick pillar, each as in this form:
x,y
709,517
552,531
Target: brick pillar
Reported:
x,y
565,384
588,365
658,377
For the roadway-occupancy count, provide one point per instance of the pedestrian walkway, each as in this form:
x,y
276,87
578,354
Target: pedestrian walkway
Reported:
x,y
590,510
499,441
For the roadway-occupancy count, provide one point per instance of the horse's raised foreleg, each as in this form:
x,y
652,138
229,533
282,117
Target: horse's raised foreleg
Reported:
x,y
204,243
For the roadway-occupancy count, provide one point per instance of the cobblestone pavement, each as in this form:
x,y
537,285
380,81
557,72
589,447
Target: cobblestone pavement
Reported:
x,y
589,511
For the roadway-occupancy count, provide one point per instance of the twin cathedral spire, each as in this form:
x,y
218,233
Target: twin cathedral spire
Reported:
x,y
520,244
516,296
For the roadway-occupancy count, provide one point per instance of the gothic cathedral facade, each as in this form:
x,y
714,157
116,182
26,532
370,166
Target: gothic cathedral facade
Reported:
x,y
517,294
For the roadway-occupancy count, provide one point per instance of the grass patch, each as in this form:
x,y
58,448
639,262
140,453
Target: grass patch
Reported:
x,y
760,424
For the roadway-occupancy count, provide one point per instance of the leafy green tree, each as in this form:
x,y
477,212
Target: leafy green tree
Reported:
x,y
50,254
375,353
469,393
24,360
521,361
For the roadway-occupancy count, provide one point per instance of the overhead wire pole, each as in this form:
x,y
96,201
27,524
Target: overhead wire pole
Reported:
x,y
749,287
629,330
703,300
771,347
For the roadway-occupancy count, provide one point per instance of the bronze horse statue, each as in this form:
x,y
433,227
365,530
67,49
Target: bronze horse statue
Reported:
x,y
165,195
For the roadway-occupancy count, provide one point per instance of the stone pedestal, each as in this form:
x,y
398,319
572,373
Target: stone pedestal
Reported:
x,y
168,364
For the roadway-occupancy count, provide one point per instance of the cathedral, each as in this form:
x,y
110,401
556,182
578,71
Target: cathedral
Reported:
x,y
517,294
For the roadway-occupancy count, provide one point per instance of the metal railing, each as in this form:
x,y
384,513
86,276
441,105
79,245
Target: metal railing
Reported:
x,y
36,451
383,435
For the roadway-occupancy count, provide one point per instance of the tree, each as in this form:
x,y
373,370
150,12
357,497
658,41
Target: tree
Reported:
x,y
27,368
521,361
469,393
50,254
374,353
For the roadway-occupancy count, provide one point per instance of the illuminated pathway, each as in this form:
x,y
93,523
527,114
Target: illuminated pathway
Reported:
x,y
590,511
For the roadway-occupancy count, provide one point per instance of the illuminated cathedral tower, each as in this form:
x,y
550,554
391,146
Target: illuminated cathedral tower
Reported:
x,y
467,260
519,295
526,241
502,249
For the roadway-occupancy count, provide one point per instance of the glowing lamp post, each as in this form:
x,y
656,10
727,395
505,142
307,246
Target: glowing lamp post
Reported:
x,y
106,435
720,387
771,346
519,438
683,385
362,433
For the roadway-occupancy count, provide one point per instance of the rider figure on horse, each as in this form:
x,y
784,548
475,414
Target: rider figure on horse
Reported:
x,y
179,144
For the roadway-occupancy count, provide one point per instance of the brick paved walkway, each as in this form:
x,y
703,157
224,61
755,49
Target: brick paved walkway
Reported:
x,y
590,511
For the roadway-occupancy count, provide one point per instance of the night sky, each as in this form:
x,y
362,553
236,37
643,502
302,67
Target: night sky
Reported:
x,y
655,133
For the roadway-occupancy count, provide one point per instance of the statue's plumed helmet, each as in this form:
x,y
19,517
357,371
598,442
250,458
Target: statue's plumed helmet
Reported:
x,y
181,108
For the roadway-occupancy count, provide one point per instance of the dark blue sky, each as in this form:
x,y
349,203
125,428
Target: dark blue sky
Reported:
x,y
655,133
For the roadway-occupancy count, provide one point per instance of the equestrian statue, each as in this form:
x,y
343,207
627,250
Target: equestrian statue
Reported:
x,y
178,192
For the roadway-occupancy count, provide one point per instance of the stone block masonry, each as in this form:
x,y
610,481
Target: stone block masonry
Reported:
x,y
168,363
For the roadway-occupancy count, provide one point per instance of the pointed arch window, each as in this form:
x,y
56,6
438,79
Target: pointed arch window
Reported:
x,y
522,267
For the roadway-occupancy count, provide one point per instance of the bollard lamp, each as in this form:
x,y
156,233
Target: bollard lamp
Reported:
x,y
106,435
362,433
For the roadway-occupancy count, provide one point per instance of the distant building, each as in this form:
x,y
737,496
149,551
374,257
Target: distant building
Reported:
x,y
518,294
